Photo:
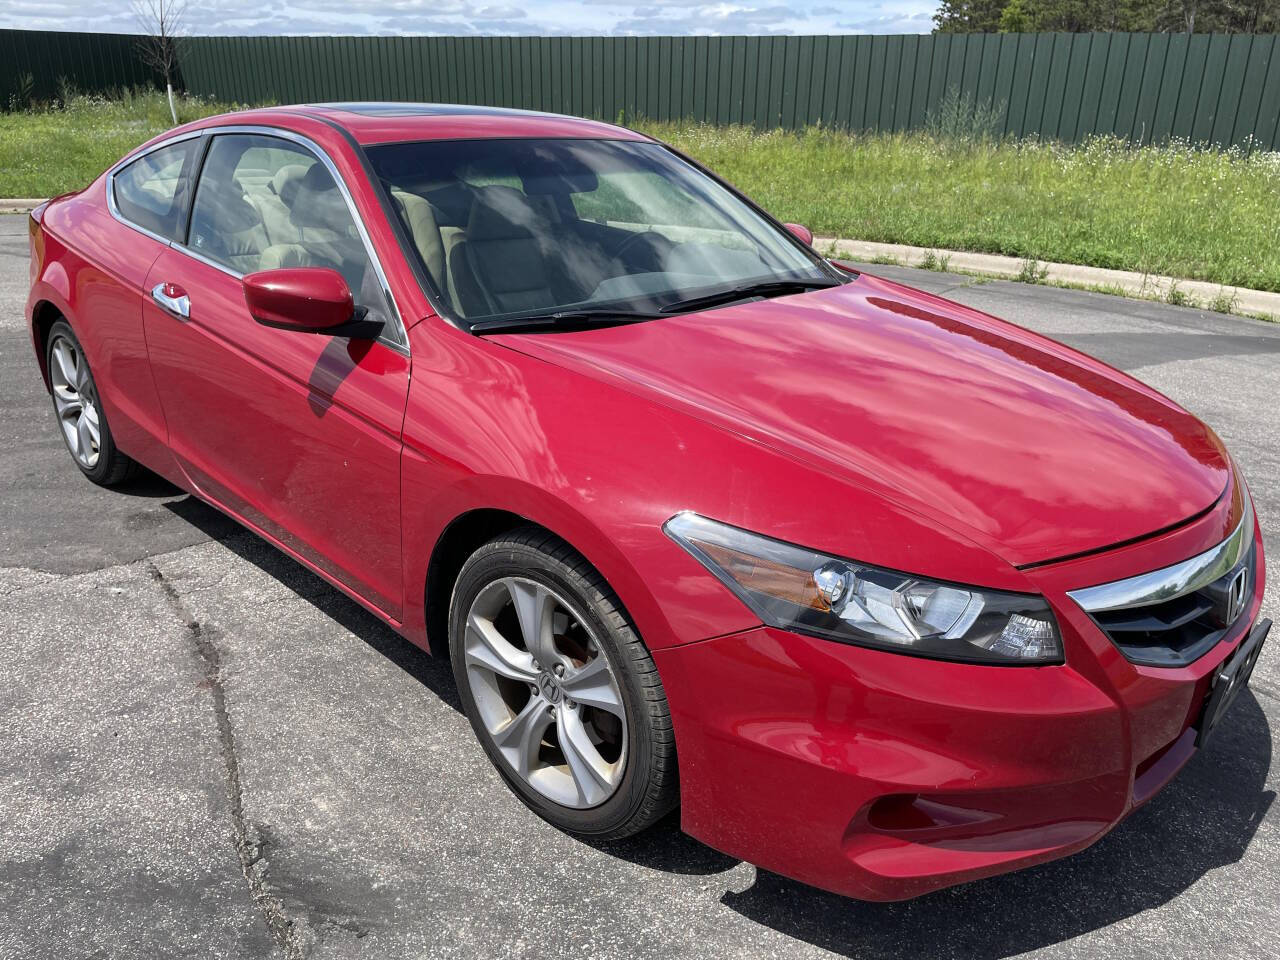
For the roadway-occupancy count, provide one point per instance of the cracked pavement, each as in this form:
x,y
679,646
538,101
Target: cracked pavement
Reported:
x,y
205,751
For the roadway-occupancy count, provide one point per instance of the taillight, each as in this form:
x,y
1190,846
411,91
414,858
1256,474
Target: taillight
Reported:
x,y
36,236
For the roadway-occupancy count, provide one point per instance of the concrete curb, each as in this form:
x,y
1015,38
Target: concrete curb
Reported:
x,y
1142,285
20,205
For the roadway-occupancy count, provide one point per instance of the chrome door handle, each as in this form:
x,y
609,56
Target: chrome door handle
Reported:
x,y
172,299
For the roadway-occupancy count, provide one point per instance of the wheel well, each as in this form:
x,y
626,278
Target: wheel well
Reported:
x,y
461,538
42,321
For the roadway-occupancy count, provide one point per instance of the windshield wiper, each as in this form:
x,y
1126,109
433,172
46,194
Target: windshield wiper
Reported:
x,y
765,288
563,318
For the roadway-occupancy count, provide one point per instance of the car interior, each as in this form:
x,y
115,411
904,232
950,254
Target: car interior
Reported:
x,y
539,234
510,240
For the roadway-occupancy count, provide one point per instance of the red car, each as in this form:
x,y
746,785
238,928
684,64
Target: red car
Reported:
x,y
885,593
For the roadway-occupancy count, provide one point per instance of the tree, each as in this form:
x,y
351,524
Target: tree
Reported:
x,y
162,23
969,16
1018,17
1078,16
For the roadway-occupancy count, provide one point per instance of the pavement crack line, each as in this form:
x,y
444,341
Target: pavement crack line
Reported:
x,y
248,845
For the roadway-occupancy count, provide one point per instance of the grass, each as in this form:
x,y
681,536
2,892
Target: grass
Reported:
x,y
1191,213
44,152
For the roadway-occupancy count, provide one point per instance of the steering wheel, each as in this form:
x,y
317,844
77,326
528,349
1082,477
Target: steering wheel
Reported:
x,y
657,246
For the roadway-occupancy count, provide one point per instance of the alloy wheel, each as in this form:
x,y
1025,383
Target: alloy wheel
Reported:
x,y
545,691
76,402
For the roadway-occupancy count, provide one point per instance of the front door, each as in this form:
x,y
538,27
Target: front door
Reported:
x,y
297,433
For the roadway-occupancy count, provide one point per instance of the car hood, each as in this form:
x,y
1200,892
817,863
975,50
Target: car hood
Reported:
x,y
1018,442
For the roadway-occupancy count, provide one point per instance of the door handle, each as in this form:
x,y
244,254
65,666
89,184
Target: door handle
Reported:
x,y
172,299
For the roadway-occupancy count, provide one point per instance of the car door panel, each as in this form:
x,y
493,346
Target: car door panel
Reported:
x,y
297,433
106,295
126,220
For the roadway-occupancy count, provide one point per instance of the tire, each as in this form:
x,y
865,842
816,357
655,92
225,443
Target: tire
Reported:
x,y
622,777
78,409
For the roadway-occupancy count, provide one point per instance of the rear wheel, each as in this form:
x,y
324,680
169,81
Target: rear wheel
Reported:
x,y
76,404
559,689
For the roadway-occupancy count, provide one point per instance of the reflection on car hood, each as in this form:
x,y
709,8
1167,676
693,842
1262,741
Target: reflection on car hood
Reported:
x,y
1028,447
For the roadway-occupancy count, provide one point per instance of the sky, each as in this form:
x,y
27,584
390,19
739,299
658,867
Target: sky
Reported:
x,y
492,17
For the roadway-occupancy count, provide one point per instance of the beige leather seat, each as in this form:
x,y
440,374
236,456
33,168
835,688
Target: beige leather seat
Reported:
x,y
421,220
227,227
281,255
500,266
273,203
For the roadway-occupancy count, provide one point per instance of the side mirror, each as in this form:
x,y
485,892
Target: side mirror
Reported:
x,y
306,299
800,232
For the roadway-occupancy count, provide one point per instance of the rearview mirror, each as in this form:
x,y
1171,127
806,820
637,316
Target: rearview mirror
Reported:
x,y
800,232
307,299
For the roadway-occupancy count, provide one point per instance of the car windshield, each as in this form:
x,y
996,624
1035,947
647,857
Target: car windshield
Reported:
x,y
573,230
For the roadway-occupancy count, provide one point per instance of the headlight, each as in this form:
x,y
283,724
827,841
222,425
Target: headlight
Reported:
x,y
796,589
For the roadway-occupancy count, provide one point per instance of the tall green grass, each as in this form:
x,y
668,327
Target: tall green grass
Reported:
x,y
62,146
1194,213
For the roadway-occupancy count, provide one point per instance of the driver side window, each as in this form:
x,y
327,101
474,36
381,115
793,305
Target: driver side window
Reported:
x,y
264,202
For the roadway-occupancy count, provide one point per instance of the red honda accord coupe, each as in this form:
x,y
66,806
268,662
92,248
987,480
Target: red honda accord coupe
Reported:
x,y
885,593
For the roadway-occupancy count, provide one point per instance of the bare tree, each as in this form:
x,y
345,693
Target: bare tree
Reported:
x,y
162,23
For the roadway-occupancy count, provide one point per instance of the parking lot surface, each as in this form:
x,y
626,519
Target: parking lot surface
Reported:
x,y
205,751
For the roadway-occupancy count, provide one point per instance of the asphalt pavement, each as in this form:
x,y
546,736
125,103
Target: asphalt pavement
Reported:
x,y
205,751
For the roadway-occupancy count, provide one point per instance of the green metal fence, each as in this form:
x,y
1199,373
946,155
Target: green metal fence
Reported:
x,y
33,64
1145,87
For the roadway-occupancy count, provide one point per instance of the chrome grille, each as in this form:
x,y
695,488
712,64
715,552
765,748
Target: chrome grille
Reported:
x,y
1173,616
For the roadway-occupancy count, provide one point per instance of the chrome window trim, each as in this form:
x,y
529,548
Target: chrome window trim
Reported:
x,y
401,344
1174,581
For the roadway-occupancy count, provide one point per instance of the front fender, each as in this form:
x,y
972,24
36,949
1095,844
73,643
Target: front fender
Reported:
x,y
628,572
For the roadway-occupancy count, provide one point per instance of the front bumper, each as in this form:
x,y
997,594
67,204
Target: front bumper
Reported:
x,y
883,777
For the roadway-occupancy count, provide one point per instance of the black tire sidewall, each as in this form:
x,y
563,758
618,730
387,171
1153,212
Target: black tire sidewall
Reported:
x,y
515,559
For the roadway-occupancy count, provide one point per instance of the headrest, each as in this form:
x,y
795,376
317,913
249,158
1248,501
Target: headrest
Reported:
x,y
501,213
318,202
561,182
285,183
228,209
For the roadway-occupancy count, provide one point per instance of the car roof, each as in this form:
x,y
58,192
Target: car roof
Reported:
x,y
372,122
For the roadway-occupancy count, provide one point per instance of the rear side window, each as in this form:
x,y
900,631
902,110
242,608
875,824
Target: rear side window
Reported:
x,y
153,190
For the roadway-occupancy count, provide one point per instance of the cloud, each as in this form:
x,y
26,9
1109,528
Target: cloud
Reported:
x,y
921,22
503,17
712,19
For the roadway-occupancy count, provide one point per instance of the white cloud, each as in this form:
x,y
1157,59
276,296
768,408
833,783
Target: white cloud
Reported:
x,y
464,17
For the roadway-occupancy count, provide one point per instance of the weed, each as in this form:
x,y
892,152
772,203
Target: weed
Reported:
x,y
1177,297
20,96
933,260
1224,302
962,118
1110,289
1032,271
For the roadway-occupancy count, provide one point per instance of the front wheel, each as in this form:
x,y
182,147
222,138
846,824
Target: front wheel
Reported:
x,y
559,689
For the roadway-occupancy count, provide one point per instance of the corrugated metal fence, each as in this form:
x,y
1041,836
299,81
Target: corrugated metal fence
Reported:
x,y
34,62
1145,87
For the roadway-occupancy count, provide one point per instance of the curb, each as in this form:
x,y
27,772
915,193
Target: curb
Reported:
x,y
20,205
1144,286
